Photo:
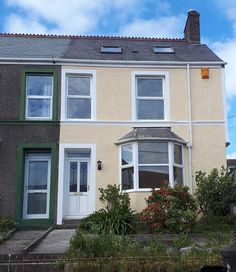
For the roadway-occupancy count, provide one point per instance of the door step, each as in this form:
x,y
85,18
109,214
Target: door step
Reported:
x,y
69,223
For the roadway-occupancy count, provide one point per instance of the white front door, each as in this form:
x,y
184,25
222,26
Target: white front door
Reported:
x,y
36,185
78,187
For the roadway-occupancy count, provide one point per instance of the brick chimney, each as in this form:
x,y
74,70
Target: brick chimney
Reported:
x,y
192,27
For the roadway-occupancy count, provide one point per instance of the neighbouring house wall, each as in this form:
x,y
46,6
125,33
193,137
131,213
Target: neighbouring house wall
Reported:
x,y
14,132
114,103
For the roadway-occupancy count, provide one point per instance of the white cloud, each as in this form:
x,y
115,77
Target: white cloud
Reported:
x,y
227,51
232,156
15,22
163,27
71,16
77,17
87,17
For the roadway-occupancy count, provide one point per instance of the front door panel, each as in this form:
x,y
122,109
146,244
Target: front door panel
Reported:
x,y
78,188
36,186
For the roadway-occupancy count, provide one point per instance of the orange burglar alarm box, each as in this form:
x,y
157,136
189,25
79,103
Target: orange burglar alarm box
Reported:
x,y
205,73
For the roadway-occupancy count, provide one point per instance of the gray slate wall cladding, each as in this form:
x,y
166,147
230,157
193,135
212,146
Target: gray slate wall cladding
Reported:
x,y
12,134
10,90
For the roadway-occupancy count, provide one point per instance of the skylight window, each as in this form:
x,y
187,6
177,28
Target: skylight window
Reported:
x,y
111,49
163,50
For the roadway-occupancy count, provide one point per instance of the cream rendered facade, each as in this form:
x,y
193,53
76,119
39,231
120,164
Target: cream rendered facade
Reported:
x,y
196,114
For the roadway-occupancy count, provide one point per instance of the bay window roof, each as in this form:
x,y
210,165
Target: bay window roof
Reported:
x,y
151,133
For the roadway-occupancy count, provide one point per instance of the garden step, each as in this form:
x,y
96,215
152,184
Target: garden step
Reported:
x,y
56,242
20,240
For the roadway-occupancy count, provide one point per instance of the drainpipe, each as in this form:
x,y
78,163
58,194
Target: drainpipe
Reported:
x,y
190,126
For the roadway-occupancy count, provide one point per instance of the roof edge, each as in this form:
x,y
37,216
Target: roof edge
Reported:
x,y
90,37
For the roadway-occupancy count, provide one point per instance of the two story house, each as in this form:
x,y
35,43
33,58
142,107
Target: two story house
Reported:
x,y
81,112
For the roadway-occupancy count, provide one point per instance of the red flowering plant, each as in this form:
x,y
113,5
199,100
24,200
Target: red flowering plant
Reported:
x,y
169,209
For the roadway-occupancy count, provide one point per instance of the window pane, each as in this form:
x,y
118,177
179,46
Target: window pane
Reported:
x,y
78,85
39,85
127,156
150,109
83,176
37,203
151,87
127,178
153,176
178,154
178,175
152,153
79,108
73,176
38,175
38,107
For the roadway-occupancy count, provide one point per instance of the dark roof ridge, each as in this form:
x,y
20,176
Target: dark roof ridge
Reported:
x,y
91,37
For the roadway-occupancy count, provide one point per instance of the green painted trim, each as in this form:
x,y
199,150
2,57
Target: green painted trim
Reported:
x,y
36,222
40,70
20,184
30,122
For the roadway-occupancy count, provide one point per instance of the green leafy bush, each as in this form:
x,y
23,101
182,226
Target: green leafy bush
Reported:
x,y
171,210
212,223
115,218
216,191
5,223
103,245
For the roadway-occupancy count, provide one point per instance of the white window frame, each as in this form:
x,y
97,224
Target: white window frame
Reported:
x,y
38,97
37,157
130,165
64,96
165,83
136,165
177,164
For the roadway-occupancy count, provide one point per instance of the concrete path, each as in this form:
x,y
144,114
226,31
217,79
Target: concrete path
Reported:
x,y
19,241
57,241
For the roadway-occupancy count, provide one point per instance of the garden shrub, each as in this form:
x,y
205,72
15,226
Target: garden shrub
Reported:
x,y
216,191
6,223
171,210
213,223
103,245
115,218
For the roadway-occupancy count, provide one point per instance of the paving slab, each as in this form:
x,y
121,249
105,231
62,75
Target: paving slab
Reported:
x,y
18,241
57,241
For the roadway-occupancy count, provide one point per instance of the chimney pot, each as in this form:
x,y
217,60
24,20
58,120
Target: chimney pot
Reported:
x,y
192,27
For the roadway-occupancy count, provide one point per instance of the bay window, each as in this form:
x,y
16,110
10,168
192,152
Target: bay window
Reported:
x,y
147,165
127,167
178,164
153,170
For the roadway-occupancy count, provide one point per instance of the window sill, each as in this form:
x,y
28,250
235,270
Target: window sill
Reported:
x,y
137,190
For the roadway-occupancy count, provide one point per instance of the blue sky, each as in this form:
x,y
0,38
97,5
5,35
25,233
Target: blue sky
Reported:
x,y
155,18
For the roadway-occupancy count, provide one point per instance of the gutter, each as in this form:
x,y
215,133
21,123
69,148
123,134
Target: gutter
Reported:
x,y
227,140
107,62
190,143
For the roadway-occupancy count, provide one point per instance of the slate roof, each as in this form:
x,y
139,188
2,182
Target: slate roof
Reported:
x,y
32,47
88,48
145,134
